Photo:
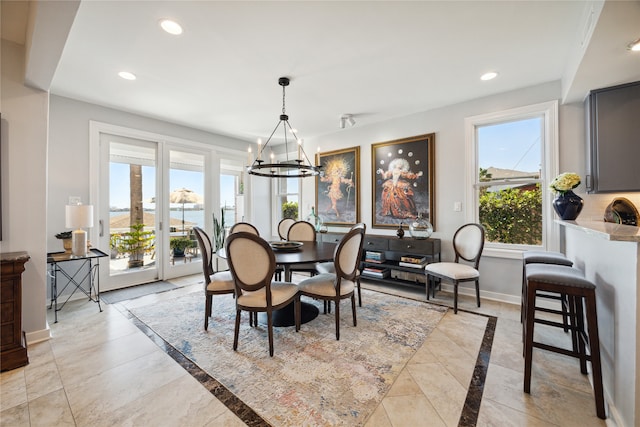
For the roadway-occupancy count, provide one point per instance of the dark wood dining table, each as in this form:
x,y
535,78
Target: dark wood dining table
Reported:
x,y
308,252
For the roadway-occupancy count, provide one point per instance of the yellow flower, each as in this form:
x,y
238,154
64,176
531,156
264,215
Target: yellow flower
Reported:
x,y
565,182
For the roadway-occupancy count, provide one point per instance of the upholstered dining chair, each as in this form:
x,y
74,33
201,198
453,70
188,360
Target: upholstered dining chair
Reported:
x,y
302,231
215,283
283,227
468,243
252,264
329,267
244,226
341,285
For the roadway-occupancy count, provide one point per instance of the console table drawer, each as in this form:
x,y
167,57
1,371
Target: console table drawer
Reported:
x,y
426,246
332,237
375,243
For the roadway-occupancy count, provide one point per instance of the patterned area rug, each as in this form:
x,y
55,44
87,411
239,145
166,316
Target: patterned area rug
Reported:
x,y
312,379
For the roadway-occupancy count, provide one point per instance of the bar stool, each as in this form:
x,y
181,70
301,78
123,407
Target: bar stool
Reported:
x,y
545,257
568,281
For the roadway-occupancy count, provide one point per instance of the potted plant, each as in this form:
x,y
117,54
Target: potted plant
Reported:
x,y
219,234
65,236
136,242
114,239
179,244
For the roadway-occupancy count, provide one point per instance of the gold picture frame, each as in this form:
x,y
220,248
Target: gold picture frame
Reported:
x,y
403,181
338,187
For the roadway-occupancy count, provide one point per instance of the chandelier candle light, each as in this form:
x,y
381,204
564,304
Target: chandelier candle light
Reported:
x,y
298,168
79,216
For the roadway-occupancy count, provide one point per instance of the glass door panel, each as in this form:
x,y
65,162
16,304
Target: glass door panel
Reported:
x,y
186,210
132,224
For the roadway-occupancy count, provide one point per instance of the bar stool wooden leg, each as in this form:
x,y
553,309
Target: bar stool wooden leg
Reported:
x,y
528,337
594,347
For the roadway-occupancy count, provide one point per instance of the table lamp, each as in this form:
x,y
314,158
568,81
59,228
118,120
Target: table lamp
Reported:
x,y
77,217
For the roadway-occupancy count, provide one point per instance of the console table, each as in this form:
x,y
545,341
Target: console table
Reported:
x,y
13,348
78,271
394,248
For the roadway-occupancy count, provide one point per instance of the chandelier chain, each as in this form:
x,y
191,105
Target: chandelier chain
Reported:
x,y
299,168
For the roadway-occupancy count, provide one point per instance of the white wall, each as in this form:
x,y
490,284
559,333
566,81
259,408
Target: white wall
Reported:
x,y
24,182
500,278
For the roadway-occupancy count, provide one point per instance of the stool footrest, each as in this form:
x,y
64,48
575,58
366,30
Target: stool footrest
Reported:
x,y
555,324
560,350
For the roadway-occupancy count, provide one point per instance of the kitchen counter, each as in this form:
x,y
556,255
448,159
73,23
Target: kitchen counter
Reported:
x,y
605,230
609,256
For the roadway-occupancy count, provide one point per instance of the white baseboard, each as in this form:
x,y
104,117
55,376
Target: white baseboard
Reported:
x,y
38,336
494,296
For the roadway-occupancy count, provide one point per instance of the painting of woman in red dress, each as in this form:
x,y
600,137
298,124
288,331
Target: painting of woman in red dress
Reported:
x,y
403,180
397,190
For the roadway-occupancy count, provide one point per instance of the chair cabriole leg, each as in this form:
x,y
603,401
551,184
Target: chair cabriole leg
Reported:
x,y
236,331
207,310
353,309
270,328
338,319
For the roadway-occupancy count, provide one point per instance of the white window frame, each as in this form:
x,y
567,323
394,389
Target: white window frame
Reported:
x,y
549,112
276,212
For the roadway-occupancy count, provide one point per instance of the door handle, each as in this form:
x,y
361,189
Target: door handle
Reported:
x,y
101,228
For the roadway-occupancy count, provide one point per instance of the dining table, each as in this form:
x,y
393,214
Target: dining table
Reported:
x,y
287,256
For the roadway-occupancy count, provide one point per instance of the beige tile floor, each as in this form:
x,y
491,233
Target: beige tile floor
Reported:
x,y
99,369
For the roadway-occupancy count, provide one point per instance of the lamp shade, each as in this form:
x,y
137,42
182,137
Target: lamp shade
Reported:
x,y
78,216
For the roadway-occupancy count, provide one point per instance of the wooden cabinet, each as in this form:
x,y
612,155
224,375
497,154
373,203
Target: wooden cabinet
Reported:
x,y
13,350
393,249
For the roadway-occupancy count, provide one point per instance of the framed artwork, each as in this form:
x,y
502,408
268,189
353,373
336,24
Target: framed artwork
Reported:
x,y
338,187
403,173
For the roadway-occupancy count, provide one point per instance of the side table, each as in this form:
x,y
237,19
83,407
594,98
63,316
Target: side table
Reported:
x,y
83,272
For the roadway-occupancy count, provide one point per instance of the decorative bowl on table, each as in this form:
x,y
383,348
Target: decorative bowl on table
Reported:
x,y
285,245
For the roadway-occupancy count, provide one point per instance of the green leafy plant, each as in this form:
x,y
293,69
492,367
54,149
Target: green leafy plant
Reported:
x,y
179,244
64,235
136,242
290,210
512,215
219,231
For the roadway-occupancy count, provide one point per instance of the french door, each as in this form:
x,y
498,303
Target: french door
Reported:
x,y
150,196
129,221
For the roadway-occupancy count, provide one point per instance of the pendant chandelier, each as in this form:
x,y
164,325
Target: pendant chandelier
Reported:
x,y
301,167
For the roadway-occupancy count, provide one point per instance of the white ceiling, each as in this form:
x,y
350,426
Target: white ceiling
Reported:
x,y
373,59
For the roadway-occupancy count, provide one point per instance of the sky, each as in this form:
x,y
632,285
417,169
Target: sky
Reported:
x,y
513,145
119,185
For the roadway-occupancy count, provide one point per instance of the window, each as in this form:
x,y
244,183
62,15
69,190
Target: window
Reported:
x,y
287,198
231,192
512,158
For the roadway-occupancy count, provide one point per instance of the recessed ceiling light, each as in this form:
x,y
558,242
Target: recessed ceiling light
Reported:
x,y
171,27
634,46
489,76
127,75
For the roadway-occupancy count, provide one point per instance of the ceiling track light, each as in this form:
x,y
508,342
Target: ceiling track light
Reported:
x,y
298,168
347,118
634,46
